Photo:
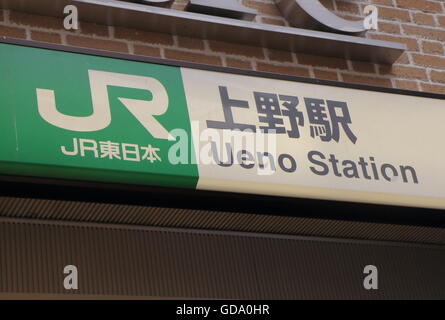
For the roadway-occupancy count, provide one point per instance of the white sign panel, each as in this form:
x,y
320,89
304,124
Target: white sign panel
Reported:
x,y
329,142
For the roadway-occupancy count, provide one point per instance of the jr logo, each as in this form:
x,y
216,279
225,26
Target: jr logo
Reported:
x,y
142,110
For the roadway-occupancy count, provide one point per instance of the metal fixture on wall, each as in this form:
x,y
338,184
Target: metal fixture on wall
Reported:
x,y
311,14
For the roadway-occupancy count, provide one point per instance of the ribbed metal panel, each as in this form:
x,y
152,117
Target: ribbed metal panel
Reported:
x,y
213,220
159,262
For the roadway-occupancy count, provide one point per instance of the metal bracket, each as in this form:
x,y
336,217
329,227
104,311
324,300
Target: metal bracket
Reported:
x,y
227,8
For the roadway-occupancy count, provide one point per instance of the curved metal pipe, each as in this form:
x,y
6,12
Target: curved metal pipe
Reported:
x,y
312,14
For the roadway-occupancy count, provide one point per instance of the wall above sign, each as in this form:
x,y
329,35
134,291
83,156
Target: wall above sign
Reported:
x,y
205,26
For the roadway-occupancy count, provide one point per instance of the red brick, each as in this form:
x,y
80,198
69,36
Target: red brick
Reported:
x,y
429,60
12,32
263,8
143,36
407,85
411,43
408,72
147,51
178,6
349,17
361,66
403,59
236,49
45,37
433,88
437,76
394,14
345,6
279,55
427,33
384,69
328,4
326,75
192,56
441,20
388,27
368,80
93,29
190,43
33,20
293,71
383,2
423,5
277,22
239,64
432,47
423,18
109,45
322,61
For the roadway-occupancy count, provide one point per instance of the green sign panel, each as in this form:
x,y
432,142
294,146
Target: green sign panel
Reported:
x,y
74,116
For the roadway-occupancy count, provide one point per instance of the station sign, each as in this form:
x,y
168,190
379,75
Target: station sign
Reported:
x,y
83,116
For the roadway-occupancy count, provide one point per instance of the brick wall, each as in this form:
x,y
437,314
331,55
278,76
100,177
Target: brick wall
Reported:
x,y
418,23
